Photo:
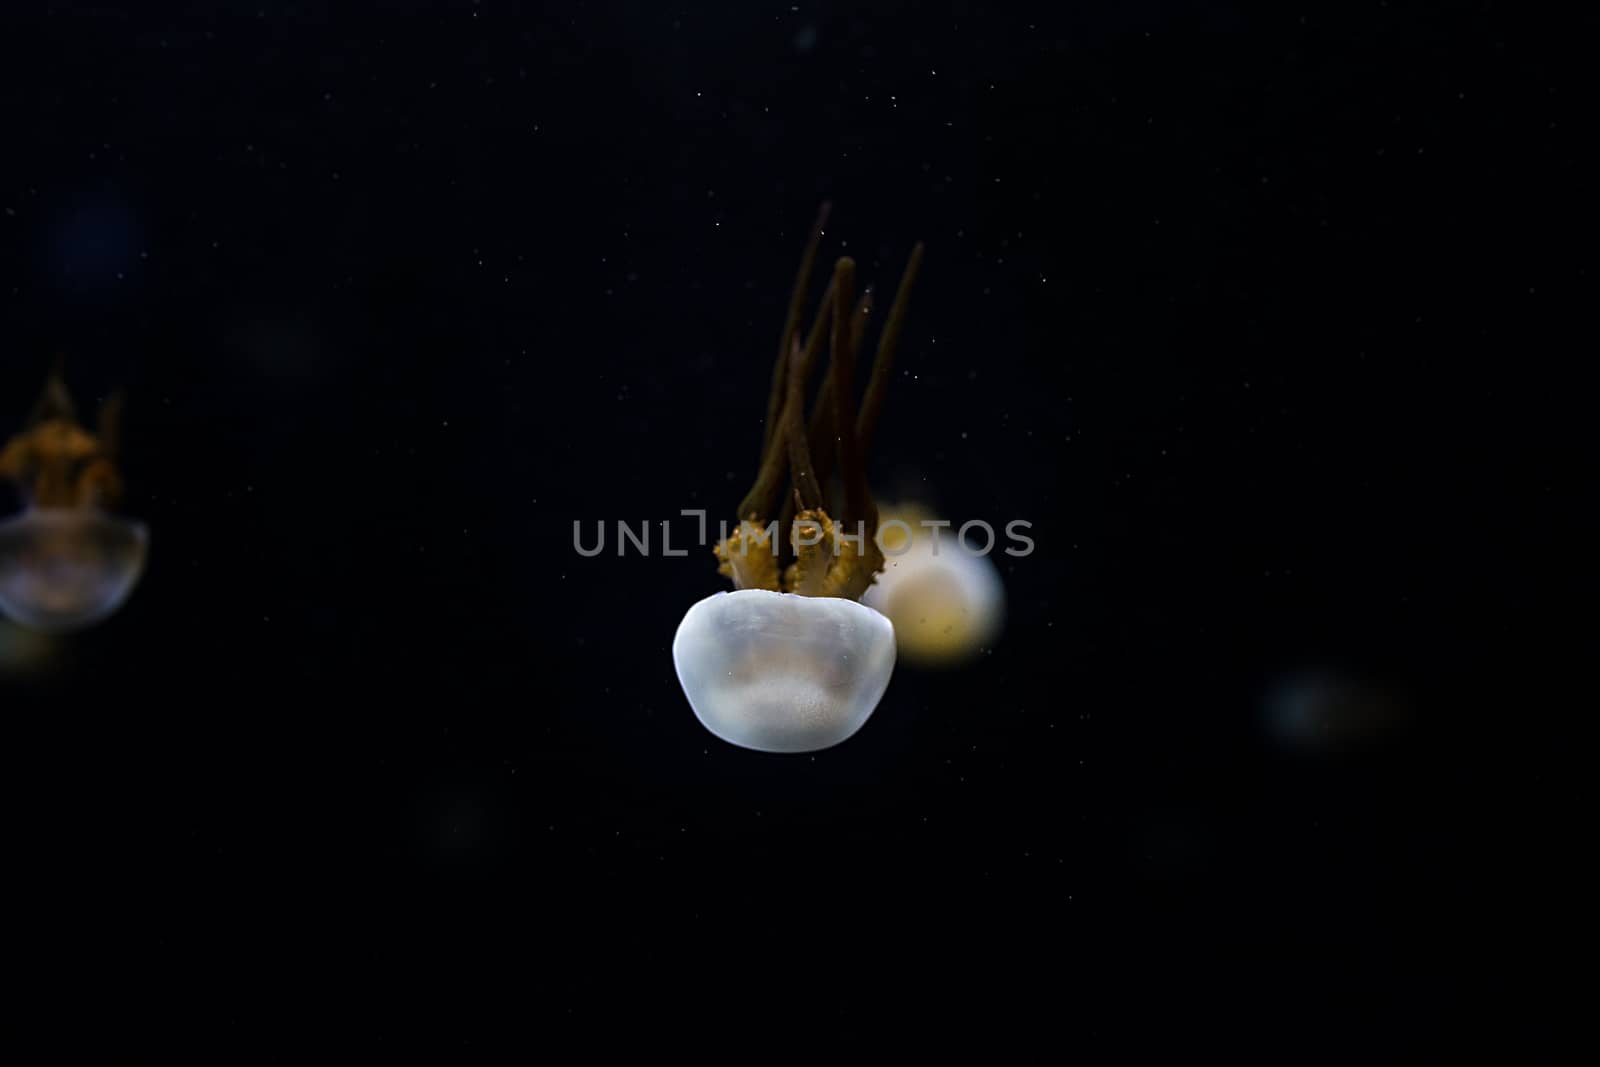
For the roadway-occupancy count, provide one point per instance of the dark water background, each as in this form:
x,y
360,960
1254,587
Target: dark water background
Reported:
x,y
1259,316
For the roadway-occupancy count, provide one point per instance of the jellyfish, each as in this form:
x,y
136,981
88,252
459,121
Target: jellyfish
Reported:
x,y
66,562
1329,711
946,603
790,660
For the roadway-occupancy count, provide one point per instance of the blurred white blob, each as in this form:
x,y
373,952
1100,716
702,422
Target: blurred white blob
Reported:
x,y
778,672
1325,711
946,603
62,569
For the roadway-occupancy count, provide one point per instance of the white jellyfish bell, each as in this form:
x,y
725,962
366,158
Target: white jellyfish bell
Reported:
x,y
779,672
790,661
65,563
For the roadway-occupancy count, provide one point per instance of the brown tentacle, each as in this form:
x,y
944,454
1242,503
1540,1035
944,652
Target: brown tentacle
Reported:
x,y
801,474
852,469
758,503
791,325
822,420
883,362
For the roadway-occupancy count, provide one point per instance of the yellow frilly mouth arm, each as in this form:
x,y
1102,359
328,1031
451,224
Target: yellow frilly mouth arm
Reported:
x,y
749,556
60,465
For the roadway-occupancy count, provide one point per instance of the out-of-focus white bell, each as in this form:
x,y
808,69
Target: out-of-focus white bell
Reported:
x,y
62,569
778,672
946,603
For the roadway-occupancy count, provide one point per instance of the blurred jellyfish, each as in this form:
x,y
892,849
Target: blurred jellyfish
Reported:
x,y
1326,711
65,562
946,601
790,661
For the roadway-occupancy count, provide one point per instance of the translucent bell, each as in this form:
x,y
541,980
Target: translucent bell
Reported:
x,y
62,569
778,672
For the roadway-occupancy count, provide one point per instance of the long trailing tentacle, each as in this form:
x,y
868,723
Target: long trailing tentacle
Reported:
x,y
852,470
834,438
759,502
822,419
883,362
791,325
802,476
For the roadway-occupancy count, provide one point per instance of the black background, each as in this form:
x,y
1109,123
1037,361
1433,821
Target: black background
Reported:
x,y
1257,315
